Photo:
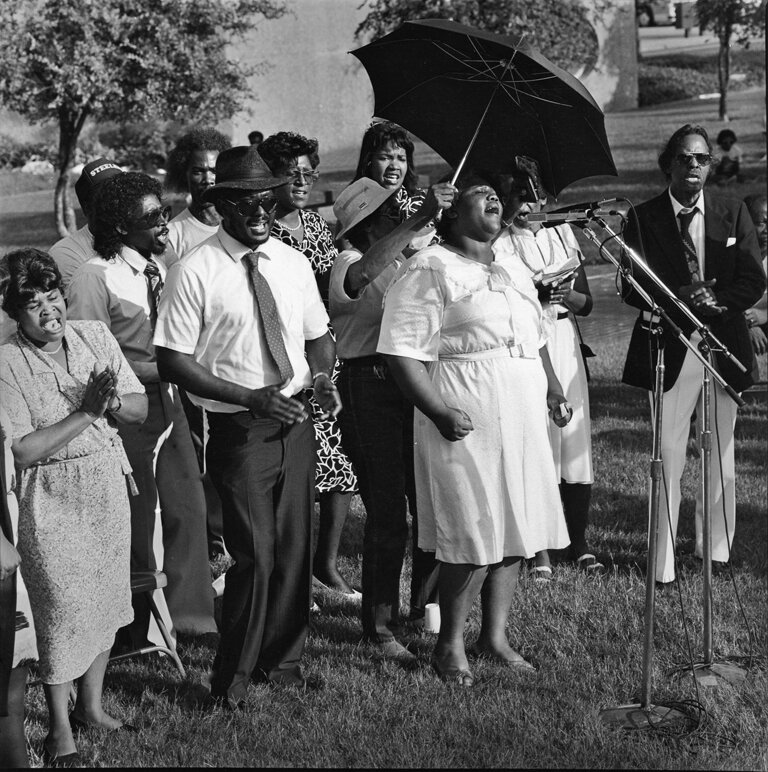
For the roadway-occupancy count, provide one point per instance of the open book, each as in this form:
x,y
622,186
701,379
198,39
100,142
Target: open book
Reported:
x,y
559,273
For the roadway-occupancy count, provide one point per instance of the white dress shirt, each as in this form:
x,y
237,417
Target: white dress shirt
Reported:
x,y
71,252
116,292
208,309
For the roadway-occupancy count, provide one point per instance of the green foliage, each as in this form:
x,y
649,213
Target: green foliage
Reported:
x,y
125,59
560,29
122,60
15,154
670,78
745,18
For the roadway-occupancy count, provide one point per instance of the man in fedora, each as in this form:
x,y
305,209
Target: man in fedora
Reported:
x,y
243,330
76,248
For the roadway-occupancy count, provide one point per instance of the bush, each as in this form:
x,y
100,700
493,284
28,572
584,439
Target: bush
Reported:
x,y
15,154
686,76
668,84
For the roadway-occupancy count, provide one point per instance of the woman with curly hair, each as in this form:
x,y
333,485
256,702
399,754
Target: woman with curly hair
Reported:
x,y
192,170
386,157
289,154
65,388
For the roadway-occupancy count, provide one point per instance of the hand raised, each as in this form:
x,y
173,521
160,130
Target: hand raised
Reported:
x,y
439,196
99,391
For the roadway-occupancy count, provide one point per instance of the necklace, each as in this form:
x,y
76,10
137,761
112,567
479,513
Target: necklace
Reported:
x,y
56,350
288,227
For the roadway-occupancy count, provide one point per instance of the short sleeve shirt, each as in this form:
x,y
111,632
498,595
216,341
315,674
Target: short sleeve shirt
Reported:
x,y
208,309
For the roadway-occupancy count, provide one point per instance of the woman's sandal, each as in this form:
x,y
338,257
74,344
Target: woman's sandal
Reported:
x,y
590,565
453,675
542,574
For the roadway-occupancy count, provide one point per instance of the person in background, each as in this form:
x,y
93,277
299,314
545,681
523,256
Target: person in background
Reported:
x,y
291,155
18,648
65,387
243,330
121,288
728,168
255,138
462,337
73,250
705,249
535,249
757,316
377,422
192,170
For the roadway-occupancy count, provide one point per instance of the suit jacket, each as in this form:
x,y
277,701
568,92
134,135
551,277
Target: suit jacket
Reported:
x,y
732,256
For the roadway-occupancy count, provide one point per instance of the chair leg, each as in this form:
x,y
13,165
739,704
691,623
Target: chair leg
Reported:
x,y
169,643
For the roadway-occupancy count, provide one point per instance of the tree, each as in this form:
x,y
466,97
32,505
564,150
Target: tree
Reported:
x,y
561,30
728,18
69,61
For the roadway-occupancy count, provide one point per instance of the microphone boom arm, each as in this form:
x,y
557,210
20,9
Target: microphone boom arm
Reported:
x,y
704,331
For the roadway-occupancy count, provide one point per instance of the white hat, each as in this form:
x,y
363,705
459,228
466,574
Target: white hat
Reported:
x,y
359,200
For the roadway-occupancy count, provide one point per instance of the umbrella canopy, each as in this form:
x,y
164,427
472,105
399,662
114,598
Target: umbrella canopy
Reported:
x,y
457,87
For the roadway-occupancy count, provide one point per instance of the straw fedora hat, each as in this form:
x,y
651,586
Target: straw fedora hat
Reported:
x,y
242,168
359,200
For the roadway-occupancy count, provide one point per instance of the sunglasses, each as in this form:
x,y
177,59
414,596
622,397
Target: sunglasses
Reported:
x,y
247,207
296,174
702,159
151,219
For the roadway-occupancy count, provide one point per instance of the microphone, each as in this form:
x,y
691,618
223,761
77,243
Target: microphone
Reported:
x,y
572,213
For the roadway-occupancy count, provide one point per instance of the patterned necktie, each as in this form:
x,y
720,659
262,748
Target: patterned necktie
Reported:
x,y
691,255
270,320
155,282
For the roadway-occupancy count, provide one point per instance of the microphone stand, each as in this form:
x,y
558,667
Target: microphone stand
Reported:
x,y
645,714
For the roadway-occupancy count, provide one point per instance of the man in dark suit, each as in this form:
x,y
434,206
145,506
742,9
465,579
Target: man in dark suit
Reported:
x,y
705,250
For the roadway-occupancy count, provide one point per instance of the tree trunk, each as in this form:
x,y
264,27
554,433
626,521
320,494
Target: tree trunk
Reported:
x,y
724,71
70,127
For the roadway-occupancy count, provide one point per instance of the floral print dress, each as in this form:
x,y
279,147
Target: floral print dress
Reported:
x,y
74,517
334,470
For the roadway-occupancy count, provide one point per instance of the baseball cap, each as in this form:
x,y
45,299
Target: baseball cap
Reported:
x,y
93,174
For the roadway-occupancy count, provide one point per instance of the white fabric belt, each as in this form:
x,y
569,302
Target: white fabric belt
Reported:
x,y
648,316
516,350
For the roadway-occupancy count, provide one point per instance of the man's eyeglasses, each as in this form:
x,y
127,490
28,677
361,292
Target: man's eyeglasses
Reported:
x,y
247,207
151,219
702,159
297,173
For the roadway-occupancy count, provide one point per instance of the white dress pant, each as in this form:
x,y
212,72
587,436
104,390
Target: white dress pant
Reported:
x,y
678,406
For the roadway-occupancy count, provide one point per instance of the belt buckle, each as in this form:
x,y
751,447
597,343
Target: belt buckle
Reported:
x,y
515,349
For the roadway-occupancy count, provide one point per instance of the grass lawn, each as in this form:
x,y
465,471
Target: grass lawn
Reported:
x,y
583,634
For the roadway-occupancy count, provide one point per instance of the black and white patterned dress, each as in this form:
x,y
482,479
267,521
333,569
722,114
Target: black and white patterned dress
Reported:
x,y
334,470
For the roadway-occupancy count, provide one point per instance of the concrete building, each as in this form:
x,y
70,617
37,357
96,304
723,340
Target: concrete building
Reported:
x,y
309,83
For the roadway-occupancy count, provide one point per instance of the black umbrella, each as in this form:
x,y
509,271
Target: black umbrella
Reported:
x,y
473,95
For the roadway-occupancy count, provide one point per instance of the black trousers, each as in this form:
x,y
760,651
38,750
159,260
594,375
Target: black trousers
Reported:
x,y
264,473
377,434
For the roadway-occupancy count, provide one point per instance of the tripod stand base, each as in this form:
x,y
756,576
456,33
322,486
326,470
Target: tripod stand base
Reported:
x,y
637,717
713,674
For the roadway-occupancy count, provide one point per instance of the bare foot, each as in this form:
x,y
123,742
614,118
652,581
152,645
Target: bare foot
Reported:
x,y
502,652
60,743
331,578
98,718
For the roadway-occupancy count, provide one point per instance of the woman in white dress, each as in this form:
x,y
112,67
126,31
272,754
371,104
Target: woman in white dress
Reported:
x,y
462,335
536,249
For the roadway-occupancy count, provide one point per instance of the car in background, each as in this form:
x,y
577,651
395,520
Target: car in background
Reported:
x,y
649,14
